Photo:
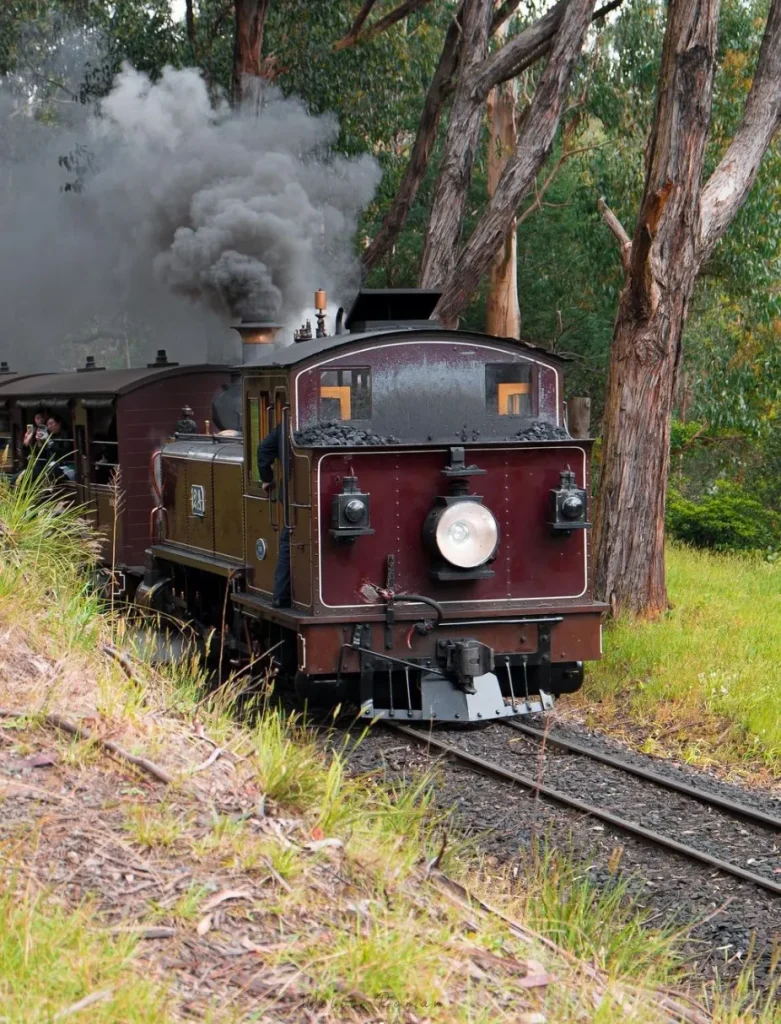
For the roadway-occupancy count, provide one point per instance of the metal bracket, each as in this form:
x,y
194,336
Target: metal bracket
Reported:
x,y
458,467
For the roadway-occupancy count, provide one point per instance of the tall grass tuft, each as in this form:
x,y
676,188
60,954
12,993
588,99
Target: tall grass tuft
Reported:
x,y
51,960
43,537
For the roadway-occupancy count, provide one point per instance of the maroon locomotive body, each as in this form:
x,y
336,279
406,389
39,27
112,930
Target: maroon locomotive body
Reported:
x,y
437,513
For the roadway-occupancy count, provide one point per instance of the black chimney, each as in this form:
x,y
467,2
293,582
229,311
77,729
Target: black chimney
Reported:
x,y
161,360
89,366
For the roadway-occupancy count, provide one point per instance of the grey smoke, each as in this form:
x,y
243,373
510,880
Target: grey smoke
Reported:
x,y
190,217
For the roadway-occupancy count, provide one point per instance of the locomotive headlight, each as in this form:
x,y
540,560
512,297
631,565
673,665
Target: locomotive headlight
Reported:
x,y
466,534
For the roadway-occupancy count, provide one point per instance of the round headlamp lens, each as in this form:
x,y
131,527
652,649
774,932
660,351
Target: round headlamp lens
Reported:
x,y
573,507
466,534
355,510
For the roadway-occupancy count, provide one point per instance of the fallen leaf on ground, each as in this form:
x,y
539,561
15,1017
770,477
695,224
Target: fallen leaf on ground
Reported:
x,y
36,761
226,894
536,980
324,844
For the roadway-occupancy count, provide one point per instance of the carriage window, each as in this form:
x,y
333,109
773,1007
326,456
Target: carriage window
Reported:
x,y
345,394
508,389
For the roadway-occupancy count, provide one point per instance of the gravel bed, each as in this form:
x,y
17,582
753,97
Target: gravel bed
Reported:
x,y
505,820
754,847
756,797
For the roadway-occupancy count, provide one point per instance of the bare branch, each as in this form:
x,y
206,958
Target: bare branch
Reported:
x,y
534,144
507,10
731,181
397,14
440,88
618,230
528,47
349,38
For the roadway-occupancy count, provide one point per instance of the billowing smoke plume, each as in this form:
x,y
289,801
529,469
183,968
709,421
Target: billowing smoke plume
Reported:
x,y
189,216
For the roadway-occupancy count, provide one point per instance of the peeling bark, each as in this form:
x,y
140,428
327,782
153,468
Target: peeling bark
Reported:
x,y
247,50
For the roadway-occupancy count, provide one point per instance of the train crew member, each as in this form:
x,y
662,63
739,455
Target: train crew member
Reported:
x,y
268,453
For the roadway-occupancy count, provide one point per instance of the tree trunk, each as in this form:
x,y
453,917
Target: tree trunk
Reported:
x,y
663,264
579,416
455,173
629,527
502,314
247,77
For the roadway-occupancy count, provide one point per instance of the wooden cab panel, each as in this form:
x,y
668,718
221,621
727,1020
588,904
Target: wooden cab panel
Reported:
x,y
228,507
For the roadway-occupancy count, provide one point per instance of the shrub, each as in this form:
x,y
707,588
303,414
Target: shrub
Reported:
x,y
727,519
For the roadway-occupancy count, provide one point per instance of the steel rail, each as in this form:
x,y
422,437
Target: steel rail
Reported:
x,y
740,810
579,805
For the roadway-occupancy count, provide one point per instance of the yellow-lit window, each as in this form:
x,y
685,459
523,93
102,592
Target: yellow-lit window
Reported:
x,y
508,389
345,395
511,398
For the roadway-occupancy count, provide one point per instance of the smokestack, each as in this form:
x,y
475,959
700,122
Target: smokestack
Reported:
x,y
89,366
253,334
161,360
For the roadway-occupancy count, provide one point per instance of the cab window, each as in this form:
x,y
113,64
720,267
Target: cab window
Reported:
x,y
345,394
508,389
258,428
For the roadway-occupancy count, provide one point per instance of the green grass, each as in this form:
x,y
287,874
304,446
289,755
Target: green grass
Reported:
x,y
707,675
50,960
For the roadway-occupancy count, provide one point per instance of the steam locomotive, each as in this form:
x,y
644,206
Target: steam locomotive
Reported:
x,y
436,507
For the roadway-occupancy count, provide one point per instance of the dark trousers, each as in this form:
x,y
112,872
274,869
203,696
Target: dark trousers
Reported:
x,y
282,571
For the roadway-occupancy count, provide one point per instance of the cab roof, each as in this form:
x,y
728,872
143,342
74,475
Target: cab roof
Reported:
x,y
297,352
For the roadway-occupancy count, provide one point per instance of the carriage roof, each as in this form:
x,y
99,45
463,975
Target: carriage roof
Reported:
x,y
107,383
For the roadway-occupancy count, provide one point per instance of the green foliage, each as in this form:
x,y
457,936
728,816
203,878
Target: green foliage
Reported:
x,y
727,519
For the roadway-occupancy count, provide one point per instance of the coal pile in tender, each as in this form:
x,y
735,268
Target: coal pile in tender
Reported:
x,y
334,433
541,431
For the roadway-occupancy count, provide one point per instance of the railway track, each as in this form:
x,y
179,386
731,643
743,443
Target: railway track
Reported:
x,y
616,821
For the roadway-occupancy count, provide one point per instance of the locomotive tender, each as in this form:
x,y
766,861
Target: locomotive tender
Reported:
x,y
438,514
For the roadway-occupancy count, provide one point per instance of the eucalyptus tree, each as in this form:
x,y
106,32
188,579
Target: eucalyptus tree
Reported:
x,y
682,218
